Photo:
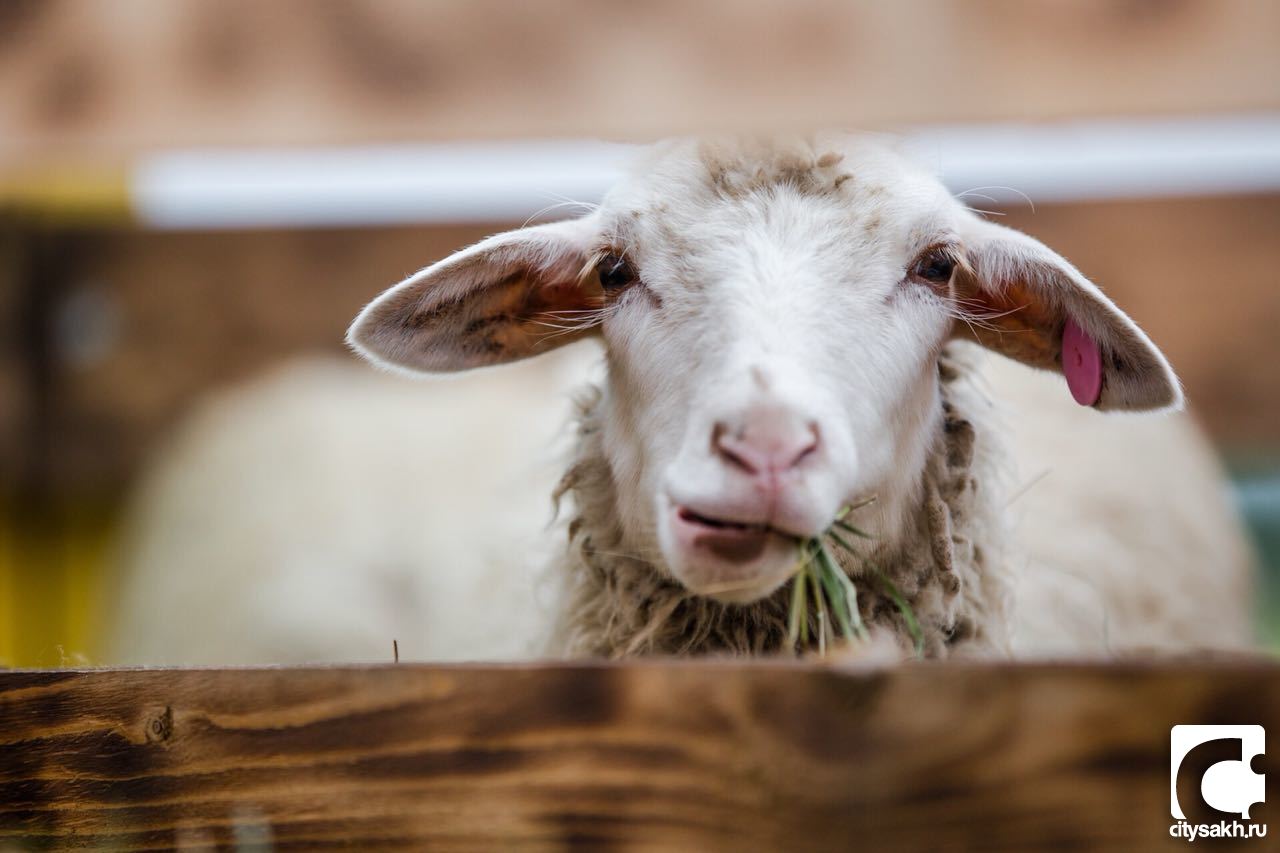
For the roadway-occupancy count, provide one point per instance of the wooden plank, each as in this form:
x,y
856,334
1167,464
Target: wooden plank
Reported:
x,y
758,756
83,79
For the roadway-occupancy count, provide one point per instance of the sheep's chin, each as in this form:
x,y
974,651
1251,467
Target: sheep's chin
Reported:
x,y
733,581
744,595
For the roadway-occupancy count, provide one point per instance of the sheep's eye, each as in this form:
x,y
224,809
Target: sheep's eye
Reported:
x,y
935,266
615,272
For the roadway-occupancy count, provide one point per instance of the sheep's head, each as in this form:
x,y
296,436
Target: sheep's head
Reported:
x,y
772,316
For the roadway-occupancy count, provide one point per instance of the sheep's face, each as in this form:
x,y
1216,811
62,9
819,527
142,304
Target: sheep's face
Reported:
x,y
772,324
772,317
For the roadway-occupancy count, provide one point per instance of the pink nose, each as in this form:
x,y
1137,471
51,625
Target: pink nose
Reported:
x,y
765,440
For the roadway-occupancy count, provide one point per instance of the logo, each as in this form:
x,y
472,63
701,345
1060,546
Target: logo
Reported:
x,y
1228,786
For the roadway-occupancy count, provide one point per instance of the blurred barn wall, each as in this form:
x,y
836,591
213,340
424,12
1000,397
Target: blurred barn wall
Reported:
x,y
109,330
84,78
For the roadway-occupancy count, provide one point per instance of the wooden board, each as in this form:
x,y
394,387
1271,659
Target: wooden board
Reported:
x,y
707,756
83,79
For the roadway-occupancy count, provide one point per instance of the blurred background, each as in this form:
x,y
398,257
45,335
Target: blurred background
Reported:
x,y
193,194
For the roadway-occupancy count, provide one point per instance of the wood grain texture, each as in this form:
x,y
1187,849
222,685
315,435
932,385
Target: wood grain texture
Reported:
x,y
762,756
84,79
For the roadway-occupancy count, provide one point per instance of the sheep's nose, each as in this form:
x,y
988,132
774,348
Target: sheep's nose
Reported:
x,y
765,440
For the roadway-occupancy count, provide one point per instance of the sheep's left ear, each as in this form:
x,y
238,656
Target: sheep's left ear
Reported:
x,y
1026,302
512,296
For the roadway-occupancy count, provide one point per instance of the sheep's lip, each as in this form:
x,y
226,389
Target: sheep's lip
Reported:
x,y
726,542
724,525
731,527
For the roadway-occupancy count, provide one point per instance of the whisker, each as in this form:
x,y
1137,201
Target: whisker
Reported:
x,y
1014,190
985,212
587,206
556,206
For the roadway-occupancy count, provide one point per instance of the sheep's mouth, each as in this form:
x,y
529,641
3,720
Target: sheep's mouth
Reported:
x,y
730,560
723,524
725,541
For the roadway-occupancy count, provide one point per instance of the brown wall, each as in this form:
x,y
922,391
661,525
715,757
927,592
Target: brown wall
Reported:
x,y
88,79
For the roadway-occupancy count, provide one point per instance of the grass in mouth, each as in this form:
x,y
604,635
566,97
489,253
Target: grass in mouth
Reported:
x,y
834,593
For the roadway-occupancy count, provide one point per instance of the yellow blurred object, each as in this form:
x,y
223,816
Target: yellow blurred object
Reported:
x,y
55,567
68,196
7,640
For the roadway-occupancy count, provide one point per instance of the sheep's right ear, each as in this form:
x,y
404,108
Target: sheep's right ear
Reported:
x,y
1031,305
492,303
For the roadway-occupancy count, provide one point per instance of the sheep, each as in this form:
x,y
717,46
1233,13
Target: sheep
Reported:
x,y
787,328
317,513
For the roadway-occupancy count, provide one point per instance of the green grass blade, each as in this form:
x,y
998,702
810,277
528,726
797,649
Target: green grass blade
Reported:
x,y
842,595
821,585
908,615
798,609
835,595
849,528
848,508
820,607
842,542
824,617
850,590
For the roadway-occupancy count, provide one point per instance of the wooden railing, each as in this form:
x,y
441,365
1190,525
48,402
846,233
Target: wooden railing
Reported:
x,y
719,755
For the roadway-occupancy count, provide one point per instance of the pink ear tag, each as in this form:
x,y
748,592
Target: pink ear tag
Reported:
x,y
1081,364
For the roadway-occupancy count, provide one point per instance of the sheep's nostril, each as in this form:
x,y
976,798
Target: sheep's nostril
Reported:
x,y
773,445
733,449
809,449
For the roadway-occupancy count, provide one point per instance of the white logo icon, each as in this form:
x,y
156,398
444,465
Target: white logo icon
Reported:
x,y
1228,786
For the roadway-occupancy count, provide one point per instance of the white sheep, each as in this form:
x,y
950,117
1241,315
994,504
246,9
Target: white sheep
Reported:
x,y
321,512
788,329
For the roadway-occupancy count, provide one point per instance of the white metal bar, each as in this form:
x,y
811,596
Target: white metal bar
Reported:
x,y
503,182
